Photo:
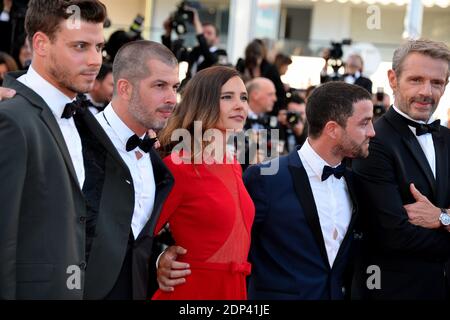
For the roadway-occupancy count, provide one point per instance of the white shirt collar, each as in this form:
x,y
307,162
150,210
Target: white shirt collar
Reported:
x,y
54,98
118,126
409,118
252,115
315,162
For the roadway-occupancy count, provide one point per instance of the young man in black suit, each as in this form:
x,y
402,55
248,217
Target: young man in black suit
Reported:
x,y
404,184
145,86
43,216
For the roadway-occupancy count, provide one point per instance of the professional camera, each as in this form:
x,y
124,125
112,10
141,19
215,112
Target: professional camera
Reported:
x,y
136,28
293,118
335,57
379,109
183,17
336,52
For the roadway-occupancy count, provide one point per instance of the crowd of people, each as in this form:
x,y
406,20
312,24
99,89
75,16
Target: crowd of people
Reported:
x,y
112,188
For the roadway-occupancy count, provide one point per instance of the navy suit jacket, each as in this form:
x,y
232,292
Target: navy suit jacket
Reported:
x,y
288,254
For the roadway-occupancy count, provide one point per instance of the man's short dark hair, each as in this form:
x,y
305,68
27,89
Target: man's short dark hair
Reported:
x,y
46,15
210,24
105,69
295,98
130,62
332,101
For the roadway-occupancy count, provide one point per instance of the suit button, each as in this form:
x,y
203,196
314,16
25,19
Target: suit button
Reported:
x,y
82,219
82,265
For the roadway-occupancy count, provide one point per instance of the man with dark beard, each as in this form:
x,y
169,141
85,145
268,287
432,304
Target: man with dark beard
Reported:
x,y
302,236
405,186
145,93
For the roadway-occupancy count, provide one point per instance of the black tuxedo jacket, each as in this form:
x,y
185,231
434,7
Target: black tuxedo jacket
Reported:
x,y
42,211
47,223
413,260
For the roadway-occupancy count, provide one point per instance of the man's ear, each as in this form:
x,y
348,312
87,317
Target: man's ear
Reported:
x,y
40,44
393,81
332,129
124,89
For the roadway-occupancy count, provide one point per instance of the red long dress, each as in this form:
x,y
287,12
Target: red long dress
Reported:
x,y
210,214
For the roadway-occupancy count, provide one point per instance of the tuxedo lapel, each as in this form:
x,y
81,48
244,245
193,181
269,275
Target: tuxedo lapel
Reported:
x,y
96,129
305,195
442,169
47,117
410,140
349,181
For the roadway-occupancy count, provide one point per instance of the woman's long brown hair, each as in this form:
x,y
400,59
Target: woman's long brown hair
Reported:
x,y
200,102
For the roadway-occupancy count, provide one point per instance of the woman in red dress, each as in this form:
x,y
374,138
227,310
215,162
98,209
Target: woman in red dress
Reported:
x,y
209,211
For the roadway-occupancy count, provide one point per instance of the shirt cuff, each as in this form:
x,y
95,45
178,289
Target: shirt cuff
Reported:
x,y
4,16
159,257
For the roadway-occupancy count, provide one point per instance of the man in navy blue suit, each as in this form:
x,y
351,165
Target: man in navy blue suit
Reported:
x,y
305,210
305,213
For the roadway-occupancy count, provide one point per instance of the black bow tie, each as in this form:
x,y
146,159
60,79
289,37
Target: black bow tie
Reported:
x,y
99,108
422,128
144,144
79,105
338,172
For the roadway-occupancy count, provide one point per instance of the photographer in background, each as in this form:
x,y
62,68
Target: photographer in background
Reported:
x,y
206,53
381,103
353,72
293,125
353,66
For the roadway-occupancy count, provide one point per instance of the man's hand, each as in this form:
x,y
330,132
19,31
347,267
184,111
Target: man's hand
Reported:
x,y
6,93
171,272
422,213
168,26
197,23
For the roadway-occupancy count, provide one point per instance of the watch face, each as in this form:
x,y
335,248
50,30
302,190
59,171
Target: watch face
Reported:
x,y
445,219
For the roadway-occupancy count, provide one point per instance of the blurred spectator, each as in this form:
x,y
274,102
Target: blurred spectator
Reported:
x,y
255,65
5,25
353,71
293,126
262,97
282,63
116,40
7,64
22,53
12,22
102,92
205,54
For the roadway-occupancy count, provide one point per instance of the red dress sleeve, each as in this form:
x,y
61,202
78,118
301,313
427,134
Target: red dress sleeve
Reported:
x,y
175,196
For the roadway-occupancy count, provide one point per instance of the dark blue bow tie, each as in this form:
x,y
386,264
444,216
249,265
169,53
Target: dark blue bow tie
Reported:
x,y
144,144
422,128
338,172
79,105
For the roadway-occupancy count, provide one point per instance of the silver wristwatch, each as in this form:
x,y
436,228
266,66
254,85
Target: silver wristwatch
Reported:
x,y
444,218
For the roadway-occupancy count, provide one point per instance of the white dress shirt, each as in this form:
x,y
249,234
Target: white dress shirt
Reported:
x,y
141,169
332,200
57,100
4,16
425,141
350,79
